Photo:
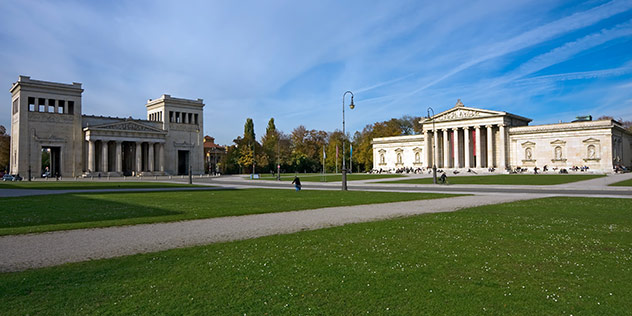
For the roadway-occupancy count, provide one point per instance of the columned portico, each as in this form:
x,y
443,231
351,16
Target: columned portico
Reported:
x,y
119,157
150,157
446,149
139,158
503,148
104,156
427,150
91,156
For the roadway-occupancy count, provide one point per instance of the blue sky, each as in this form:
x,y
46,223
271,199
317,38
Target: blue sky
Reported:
x,y
293,60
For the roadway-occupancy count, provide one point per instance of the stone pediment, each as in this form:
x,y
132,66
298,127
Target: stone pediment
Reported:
x,y
126,126
462,113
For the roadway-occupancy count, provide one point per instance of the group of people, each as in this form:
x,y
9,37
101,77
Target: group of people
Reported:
x,y
620,169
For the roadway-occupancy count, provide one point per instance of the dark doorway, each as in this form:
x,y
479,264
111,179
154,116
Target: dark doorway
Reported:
x,y
51,161
183,162
129,157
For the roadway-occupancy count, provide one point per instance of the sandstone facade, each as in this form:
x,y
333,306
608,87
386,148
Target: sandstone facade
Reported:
x,y
47,116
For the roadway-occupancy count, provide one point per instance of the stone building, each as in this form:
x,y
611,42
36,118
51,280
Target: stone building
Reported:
x,y
213,154
478,139
48,116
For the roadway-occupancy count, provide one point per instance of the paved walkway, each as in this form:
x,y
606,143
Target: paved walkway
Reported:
x,y
20,252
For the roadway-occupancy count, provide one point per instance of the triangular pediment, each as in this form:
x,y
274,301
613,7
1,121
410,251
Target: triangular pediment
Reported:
x,y
463,113
591,140
528,144
126,126
558,142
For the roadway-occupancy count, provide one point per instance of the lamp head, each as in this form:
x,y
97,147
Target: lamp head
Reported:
x,y
351,106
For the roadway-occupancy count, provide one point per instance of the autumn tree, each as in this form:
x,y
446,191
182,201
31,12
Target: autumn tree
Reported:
x,y
5,143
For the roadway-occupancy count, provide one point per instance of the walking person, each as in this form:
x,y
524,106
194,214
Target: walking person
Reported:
x,y
297,183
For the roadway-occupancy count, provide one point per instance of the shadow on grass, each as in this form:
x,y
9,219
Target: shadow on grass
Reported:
x,y
72,208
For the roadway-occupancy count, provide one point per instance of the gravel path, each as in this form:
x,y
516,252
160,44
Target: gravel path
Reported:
x,y
21,252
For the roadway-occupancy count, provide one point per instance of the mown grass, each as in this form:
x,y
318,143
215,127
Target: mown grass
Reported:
x,y
539,257
87,185
626,183
516,179
329,177
69,211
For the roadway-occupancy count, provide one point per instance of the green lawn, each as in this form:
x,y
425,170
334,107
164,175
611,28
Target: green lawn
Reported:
x,y
518,179
626,183
329,177
69,211
554,256
75,185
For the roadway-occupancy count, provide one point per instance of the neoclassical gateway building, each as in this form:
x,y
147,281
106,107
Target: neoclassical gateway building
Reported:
x,y
46,116
471,138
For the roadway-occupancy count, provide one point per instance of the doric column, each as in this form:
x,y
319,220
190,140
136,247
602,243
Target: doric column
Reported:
x,y
490,146
104,156
478,147
119,157
161,156
150,155
435,145
446,149
139,158
427,158
457,157
91,156
503,147
466,146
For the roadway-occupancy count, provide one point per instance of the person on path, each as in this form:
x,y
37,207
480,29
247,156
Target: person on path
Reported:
x,y
297,183
443,178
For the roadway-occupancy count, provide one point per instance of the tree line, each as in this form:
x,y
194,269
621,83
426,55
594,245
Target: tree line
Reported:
x,y
304,150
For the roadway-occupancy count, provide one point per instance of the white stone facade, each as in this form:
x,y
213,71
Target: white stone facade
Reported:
x,y
456,138
47,116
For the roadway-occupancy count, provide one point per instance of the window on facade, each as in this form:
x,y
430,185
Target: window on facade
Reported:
x,y
381,158
61,105
71,107
15,105
31,104
417,157
399,157
51,106
41,105
171,116
196,119
190,120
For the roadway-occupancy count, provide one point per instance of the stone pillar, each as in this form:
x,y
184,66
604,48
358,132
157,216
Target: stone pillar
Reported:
x,y
104,156
161,156
150,157
478,147
435,155
490,146
139,158
457,156
503,147
119,157
91,156
446,149
466,146
427,158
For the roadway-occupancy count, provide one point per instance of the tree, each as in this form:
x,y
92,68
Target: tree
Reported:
x,y
270,143
5,152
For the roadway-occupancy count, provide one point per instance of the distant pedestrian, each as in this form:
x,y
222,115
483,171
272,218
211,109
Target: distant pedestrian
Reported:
x,y
444,178
297,183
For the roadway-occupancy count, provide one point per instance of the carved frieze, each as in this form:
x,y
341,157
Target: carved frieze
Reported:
x,y
458,115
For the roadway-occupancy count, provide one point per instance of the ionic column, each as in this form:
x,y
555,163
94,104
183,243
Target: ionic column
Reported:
x,y
161,156
502,146
478,147
91,156
104,156
446,149
139,158
490,147
435,155
427,149
457,157
466,146
150,155
119,157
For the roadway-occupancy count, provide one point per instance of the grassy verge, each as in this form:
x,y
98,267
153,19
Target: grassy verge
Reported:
x,y
69,211
516,179
86,185
539,257
317,177
626,183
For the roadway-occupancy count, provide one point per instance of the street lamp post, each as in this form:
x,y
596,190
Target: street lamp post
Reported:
x,y
344,168
434,151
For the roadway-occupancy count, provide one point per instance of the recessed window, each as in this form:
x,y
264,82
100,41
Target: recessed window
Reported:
x,y
41,105
16,104
71,107
61,105
31,104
